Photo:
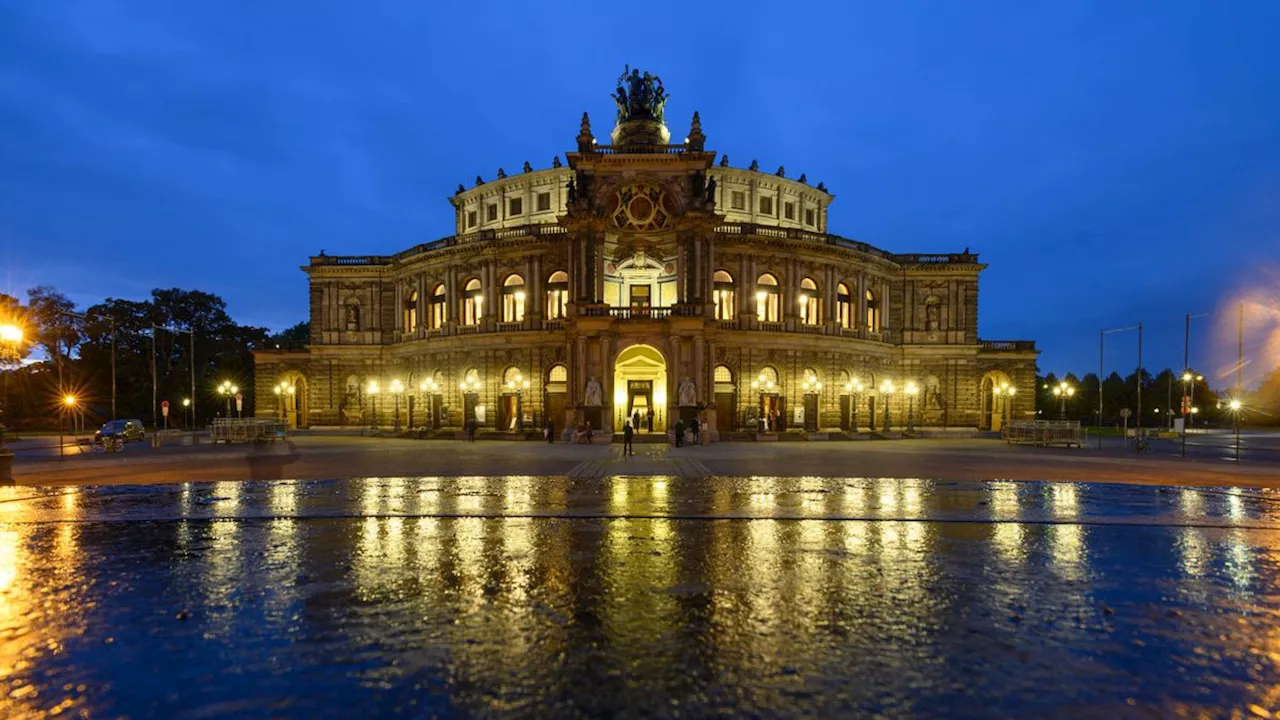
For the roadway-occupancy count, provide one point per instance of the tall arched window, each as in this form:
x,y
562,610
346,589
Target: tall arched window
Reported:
x,y
558,374
808,302
513,298
472,302
844,306
767,301
873,312
411,312
557,295
439,306
723,295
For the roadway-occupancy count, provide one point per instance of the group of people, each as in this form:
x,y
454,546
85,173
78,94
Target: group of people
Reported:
x,y
694,427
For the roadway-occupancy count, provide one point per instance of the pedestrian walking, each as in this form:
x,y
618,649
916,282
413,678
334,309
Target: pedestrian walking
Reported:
x,y
635,420
679,433
627,433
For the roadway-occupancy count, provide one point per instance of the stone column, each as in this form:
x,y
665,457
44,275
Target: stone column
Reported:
x,y
829,296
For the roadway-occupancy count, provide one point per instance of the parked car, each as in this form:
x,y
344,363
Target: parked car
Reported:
x,y
130,430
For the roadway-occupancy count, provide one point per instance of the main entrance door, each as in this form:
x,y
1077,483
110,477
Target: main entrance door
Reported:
x,y
640,388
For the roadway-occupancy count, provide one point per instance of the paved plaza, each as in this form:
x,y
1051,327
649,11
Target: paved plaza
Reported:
x,y
314,456
551,597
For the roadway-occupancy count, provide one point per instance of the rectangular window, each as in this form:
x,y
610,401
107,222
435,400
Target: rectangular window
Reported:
x,y
544,202
766,206
471,218
789,210
738,200
516,205
491,212
810,217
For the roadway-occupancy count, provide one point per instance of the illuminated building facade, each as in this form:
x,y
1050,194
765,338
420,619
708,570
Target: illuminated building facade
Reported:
x,y
649,281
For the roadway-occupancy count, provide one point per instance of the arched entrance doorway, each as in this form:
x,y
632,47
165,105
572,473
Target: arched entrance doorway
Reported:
x,y
293,399
997,400
640,388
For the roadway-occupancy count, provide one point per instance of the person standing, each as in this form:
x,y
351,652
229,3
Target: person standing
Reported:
x,y
471,430
635,420
679,433
627,433
550,429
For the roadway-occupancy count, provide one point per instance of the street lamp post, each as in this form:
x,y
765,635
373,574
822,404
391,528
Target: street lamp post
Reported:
x,y
854,388
912,389
886,389
1062,391
1188,409
186,411
373,391
397,388
430,387
1006,392
1236,407
228,391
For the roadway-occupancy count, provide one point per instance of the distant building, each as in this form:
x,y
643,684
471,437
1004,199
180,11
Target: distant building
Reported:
x,y
644,280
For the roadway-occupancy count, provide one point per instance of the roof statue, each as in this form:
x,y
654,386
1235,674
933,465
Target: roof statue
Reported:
x,y
640,96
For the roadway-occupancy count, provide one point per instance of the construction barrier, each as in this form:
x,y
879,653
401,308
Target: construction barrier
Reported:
x,y
247,430
1044,433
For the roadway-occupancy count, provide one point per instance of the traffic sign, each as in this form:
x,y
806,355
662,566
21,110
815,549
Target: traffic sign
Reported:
x,y
1125,413
239,402
164,408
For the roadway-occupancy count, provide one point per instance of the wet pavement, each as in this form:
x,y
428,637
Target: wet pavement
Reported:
x,y
639,596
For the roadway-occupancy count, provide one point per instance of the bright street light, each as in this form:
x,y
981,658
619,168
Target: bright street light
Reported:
x,y
10,333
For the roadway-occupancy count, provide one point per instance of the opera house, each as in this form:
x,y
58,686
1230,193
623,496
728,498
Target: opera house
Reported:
x,y
648,281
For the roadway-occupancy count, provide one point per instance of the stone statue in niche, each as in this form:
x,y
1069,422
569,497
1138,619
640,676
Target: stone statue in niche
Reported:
x,y
595,396
932,317
933,397
688,393
353,316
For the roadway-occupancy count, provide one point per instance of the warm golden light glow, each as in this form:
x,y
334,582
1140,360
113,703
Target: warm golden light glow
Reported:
x,y
374,389
69,400
397,386
10,333
886,387
911,388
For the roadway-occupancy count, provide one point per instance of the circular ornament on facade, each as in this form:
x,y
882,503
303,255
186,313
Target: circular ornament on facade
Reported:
x,y
642,207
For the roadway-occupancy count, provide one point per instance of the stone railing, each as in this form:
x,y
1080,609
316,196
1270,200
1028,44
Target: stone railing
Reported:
x,y
651,313
1008,345
638,149
950,259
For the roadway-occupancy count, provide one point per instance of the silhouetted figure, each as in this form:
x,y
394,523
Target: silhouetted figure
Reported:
x,y
679,433
627,433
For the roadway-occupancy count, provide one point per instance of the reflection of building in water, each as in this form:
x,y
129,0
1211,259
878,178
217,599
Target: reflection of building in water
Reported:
x,y
651,281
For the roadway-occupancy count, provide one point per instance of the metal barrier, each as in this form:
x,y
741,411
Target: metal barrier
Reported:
x,y
253,430
1044,433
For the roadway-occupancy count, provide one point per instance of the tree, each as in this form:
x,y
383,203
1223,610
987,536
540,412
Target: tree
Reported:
x,y
295,337
54,329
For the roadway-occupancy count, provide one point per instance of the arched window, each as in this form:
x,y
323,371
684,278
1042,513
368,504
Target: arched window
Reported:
x,y
439,305
557,295
411,312
767,380
470,381
472,302
808,302
558,374
723,295
844,306
722,374
513,379
513,298
767,301
873,312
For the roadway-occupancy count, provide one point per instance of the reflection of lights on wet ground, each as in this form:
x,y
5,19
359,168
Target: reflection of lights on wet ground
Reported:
x,y
855,500
228,498
761,500
469,546
660,491
618,494
9,544
1192,503
1067,547
1064,500
855,536
911,499
1239,560
1008,537
519,494
283,498
888,496
1004,500
1235,504
1193,551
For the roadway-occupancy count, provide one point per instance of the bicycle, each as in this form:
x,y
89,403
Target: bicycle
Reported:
x,y
1141,444
110,443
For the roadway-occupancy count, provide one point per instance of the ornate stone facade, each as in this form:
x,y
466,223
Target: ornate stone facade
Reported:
x,y
644,281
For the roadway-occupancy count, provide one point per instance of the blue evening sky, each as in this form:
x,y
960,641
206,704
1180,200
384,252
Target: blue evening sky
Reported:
x,y
1113,162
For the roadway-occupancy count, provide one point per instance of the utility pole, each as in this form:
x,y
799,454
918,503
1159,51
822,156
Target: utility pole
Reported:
x,y
1240,353
1138,426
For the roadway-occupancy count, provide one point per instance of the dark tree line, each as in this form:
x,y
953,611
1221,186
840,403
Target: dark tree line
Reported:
x,y
1161,395
68,351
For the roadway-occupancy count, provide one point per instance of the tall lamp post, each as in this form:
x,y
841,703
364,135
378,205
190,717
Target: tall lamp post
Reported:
x,y
1188,399
911,390
397,389
854,388
84,317
430,387
886,389
1236,406
373,391
1006,392
186,411
228,391
1062,391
